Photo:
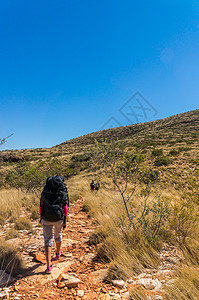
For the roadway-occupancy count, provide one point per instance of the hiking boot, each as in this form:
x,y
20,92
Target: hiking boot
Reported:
x,y
58,255
49,269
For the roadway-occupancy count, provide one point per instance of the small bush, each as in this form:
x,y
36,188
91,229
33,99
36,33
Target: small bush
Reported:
x,y
157,152
162,161
150,175
173,152
180,149
80,157
23,224
11,234
10,261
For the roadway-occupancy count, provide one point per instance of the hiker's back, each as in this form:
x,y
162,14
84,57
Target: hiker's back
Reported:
x,y
54,197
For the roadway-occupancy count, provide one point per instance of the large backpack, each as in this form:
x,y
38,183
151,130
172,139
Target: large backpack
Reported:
x,y
53,198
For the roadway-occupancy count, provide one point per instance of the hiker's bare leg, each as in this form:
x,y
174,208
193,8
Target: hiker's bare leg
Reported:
x,y
58,235
58,246
48,255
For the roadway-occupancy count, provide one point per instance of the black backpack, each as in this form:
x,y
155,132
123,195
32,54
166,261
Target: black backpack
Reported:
x,y
54,197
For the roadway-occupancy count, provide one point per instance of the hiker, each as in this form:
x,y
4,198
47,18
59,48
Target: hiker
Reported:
x,y
53,210
97,185
92,185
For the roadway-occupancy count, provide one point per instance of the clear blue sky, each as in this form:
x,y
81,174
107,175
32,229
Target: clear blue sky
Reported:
x,y
68,66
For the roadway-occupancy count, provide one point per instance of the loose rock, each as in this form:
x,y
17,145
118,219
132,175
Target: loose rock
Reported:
x,y
118,283
72,282
4,295
80,293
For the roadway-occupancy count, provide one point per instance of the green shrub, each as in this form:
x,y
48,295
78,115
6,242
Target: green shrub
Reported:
x,y
23,224
180,149
174,152
150,175
157,152
80,157
162,161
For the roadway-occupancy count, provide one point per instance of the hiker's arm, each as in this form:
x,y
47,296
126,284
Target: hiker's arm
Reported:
x,y
65,215
40,209
41,204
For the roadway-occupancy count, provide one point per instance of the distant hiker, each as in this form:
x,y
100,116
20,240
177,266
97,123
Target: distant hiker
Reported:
x,y
92,185
53,210
97,185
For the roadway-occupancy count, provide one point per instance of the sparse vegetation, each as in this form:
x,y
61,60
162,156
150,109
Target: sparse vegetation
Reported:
x,y
23,224
162,161
174,152
157,152
11,234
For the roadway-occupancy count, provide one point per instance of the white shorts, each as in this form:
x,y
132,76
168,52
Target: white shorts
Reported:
x,y
48,232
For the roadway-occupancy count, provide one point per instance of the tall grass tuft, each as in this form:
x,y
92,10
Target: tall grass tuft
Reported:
x,y
10,260
186,285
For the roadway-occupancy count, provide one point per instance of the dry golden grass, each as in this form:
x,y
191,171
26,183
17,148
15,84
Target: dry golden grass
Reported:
x,y
138,293
13,202
10,203
23,224
10,260
127,250
11,234
186,285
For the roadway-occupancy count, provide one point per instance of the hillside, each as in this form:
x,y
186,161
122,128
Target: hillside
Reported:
x,y
182,126
174,130
170,145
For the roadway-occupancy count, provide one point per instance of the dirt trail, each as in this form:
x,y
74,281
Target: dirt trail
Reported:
x,y
78,261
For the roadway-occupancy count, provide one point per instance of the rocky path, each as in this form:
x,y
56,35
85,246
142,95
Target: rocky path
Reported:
x,y
77,275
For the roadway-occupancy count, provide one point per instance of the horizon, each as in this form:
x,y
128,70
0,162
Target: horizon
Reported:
x,y
98,131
